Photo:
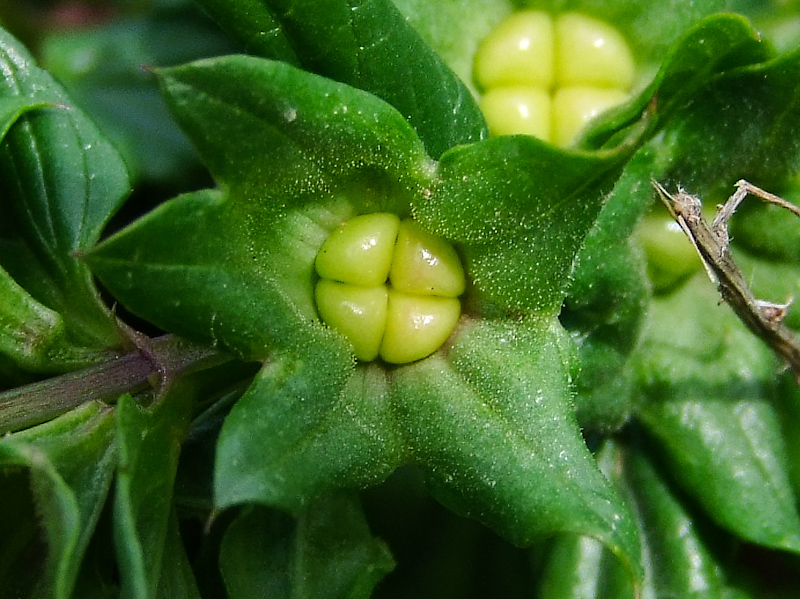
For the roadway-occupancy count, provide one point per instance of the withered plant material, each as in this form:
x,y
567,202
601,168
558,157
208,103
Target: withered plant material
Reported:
x,y
712,243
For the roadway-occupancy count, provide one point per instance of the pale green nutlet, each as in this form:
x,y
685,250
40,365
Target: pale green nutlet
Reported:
x,y
590,52
425,264
358,313
519,51
671,257
390,287
517,110
360,251
573,107
417,325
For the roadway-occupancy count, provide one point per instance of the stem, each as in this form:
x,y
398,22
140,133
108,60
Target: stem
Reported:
x,y
151,366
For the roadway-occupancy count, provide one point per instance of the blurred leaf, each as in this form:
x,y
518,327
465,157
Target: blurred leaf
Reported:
x,y
580,567
328,553
681,557
70,462
149,442
706,380
677,556
61,181
768,231
368,45
103,69
176,580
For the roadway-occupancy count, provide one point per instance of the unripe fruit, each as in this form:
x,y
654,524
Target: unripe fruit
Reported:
x,y
551,91
425,264
573,107
671,257
360,251
400,320
519,51
591,52
517,110
358,313
417,326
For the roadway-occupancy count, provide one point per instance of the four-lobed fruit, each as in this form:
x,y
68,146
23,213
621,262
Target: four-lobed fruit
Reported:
x,y
390,287
547,76
671,257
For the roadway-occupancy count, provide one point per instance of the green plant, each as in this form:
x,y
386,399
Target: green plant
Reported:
x,y
195,430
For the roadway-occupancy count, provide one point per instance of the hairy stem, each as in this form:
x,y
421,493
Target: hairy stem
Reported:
x,y
153,364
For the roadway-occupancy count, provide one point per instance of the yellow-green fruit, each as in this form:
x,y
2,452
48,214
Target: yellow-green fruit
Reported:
x,y
517,110
573,107
519,51
424,264
389,287
531,89
591,52
358,313
671,257
360,251
417,326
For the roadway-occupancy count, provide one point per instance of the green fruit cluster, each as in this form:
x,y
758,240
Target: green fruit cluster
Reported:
x,y
389,287
547,76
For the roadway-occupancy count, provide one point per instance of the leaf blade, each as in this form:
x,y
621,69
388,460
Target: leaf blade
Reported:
x,y
62,181
369,45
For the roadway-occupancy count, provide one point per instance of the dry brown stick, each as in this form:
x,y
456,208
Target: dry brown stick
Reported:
x,y
763,318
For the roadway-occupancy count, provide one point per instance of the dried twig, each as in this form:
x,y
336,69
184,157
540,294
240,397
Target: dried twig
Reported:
x,y
763,318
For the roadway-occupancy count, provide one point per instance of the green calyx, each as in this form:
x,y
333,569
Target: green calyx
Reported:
x,y
389,287
547,76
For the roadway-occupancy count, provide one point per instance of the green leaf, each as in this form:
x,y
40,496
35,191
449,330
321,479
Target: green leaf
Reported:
x,y
733,128
236,266
252,24
239,109
494,431
730,456
149,445
13,107
34,337
529,208
677,544
677,555
307,426
70,463
61,182
368,45
705,380
177,579
327,553
607,300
